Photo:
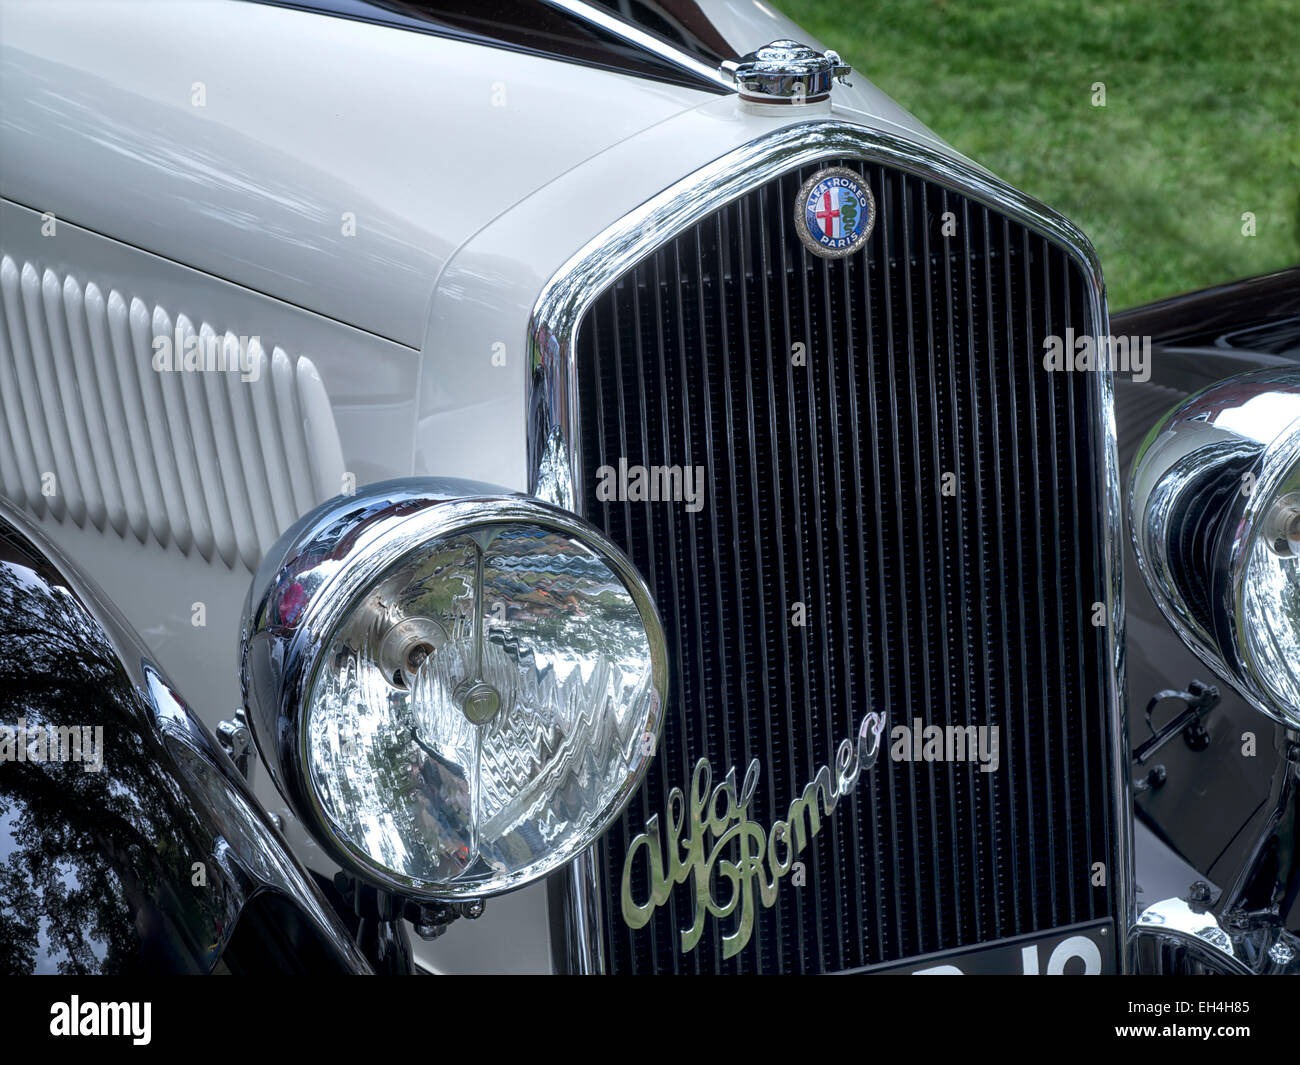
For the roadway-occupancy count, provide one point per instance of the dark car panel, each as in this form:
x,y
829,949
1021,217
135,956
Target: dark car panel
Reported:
x,y
1207,801
141,850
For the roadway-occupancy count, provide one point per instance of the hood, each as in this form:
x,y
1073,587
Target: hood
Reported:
x,y
334,163
330,163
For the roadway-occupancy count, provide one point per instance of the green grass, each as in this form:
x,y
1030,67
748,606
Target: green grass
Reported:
x,y
1201,123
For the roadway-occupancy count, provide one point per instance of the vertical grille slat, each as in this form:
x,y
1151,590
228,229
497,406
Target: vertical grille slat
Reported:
x,y
890,856
1035,429
951,843
1029,864
909,892
1060,508
687,639
851,857
824,484
675,570
927,484
814,597
755,219
1007,432
775,671
652,572
809,940
719,754
1077,538
967,853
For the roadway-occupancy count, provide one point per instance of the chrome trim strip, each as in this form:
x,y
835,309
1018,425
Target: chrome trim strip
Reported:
x,y
611,23
584,914
553,435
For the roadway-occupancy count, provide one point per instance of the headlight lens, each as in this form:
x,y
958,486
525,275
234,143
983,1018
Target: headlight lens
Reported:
x,y
1265,571
481,686
1216,528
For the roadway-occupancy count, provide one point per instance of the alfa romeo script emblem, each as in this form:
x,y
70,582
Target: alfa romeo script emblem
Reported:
x,y
730,864
834,212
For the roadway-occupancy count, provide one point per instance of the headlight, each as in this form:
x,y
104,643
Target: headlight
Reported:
x,y
456,695
1216,526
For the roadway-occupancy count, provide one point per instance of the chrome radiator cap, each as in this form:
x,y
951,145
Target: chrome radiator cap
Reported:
x,y
786,72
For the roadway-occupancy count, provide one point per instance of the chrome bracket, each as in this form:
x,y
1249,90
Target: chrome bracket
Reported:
x,y
236,740
1199,700
1249,925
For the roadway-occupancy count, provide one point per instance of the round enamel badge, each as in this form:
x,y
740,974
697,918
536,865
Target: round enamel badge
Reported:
x,y
834,212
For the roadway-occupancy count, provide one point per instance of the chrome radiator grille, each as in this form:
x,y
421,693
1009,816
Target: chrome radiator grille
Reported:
x,y
963,600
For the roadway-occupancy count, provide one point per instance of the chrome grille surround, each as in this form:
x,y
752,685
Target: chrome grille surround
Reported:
x,y
554,438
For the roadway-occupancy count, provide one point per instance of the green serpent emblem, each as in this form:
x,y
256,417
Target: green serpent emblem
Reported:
x,y
848,211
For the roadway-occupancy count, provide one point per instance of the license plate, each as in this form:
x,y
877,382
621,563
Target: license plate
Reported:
x,y
1082,949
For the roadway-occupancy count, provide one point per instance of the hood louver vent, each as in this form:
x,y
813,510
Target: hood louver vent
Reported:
x,y
217,462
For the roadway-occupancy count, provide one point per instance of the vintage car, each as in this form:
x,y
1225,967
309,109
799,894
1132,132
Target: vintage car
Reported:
x,y
579,486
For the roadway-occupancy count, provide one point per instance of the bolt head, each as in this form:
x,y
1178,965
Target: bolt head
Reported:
x,y
478,700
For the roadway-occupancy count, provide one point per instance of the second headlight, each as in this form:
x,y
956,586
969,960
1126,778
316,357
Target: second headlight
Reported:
x,y
1215,508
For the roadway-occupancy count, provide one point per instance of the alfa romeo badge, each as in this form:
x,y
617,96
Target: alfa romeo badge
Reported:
x,y
834,212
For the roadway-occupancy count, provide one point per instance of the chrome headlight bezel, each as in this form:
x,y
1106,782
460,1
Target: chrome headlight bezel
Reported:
x,y
1217,462
330,558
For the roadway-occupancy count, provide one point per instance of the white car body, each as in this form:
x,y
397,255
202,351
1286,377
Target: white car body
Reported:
x,y
381,207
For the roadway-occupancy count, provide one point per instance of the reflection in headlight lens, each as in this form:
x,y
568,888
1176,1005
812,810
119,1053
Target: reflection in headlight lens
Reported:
x,y
1269,586
479,708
